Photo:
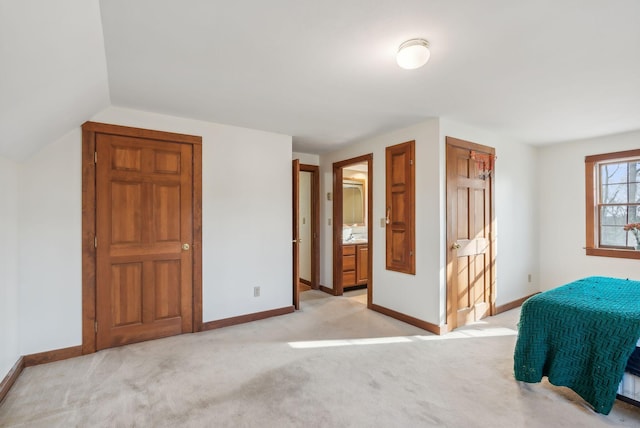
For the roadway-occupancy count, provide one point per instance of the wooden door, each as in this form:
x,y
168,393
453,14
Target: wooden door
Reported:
x,y
144,232
469,223
400,209
295,174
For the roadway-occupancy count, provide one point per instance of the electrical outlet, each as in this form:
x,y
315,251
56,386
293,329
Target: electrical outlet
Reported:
x,y
256,291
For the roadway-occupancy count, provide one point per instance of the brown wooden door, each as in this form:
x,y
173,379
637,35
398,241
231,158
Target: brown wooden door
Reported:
x,y
469,222
400,209
295,174
144,231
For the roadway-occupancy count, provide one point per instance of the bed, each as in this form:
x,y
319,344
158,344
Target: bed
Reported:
x,y
582,335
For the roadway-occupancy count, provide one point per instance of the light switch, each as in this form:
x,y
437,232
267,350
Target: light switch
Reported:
x,y
383,222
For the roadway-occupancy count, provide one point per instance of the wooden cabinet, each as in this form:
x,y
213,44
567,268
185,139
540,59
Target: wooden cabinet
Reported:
x,y
355,265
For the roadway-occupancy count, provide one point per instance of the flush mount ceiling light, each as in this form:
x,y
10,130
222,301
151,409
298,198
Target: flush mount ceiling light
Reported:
x,y
413,53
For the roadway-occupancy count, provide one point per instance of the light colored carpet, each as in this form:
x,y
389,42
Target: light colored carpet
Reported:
x,y
332,364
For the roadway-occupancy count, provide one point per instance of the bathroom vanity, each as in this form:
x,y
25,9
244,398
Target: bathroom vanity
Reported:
x,y
354,264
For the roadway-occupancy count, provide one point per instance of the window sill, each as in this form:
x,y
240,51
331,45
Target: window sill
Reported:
x,y
608,252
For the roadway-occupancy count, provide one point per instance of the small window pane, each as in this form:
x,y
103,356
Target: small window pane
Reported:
x,y
614,194
634,172
613,173
613,236
613,216
634,214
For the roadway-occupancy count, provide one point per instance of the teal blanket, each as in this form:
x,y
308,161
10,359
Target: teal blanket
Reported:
x,y
580,335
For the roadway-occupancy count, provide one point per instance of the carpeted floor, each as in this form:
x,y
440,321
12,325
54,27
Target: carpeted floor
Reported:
x,y
332,364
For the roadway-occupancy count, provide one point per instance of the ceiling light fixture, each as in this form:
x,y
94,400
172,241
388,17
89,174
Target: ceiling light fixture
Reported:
x,y
413,53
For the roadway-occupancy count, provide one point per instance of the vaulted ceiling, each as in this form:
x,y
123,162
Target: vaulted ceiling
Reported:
x,y
322,71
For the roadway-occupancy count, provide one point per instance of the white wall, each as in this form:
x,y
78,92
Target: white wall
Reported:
x,y
562,212
423,295
246,226
415,295
50,263
306,158
9,242
246,211
54,71
517,174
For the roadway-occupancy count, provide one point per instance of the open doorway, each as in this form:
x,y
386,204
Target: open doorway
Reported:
x,y
306,229
352,227
309,225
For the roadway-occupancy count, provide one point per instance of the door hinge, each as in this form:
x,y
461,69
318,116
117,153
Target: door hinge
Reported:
x,y
410,161
95,157
410,253
95,242
95,326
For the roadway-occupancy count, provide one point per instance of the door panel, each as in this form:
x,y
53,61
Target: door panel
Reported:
x,y
362,264
469,223
144,215
167,212
400,199
126,203
126,293
167,298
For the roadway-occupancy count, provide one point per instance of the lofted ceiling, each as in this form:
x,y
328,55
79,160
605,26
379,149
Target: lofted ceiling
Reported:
x,y
324,71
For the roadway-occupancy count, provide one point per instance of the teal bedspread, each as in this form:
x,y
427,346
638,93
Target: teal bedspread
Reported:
x,y
580,335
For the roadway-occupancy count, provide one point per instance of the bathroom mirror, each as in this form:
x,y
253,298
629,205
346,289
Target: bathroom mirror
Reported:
x,y
353,202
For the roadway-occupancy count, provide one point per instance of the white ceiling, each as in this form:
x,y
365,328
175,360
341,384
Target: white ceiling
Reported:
x,y
324,71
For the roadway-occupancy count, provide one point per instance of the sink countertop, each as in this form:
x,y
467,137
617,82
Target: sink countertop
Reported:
x,y
355,241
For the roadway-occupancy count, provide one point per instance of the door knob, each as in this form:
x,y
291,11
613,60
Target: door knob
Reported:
x,y
185,246
455,246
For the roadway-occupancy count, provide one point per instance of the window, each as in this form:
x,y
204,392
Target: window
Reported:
x,y
613,200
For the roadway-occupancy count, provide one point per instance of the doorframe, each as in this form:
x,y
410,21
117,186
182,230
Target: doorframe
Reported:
x,y
295,229
338,289
452,293
315,222
89,132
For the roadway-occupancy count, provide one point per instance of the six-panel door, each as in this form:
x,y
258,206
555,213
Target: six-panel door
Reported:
x,y
144,233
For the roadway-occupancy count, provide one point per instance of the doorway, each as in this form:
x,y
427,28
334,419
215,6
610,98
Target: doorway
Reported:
x,y
353,225
309,226
470,237
142,252
306,229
